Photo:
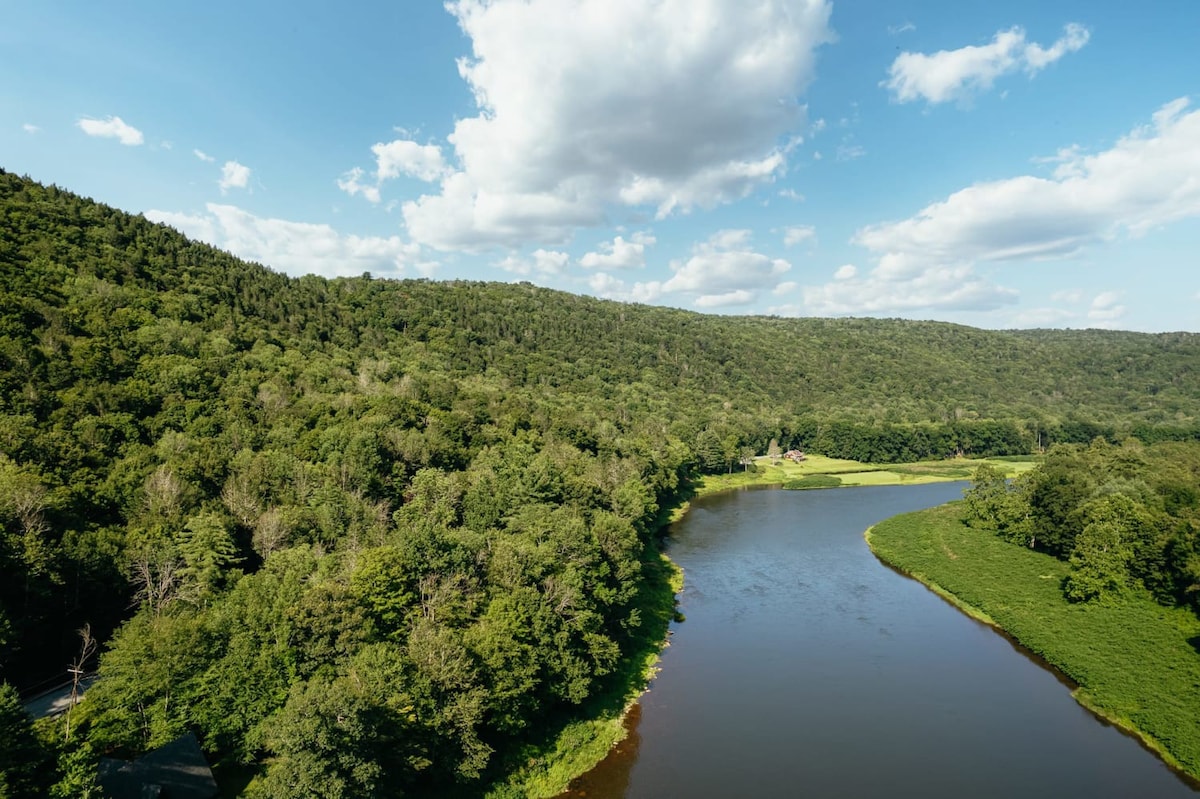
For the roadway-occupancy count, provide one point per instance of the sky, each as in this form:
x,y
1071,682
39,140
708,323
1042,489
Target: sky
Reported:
x,y
1001,165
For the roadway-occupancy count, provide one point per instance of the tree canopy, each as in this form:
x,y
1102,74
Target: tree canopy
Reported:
x,y
346,527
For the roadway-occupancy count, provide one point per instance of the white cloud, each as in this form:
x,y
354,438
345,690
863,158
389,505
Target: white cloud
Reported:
x,y
791,194
296,248
1043,317
393,159
736,297
845,272
943,288
404,157
1071,296
619,253
234,176
956,74
848,152
112,128
1149,178
613,288
203,156
30,128
543,263
798,234
725,270
589,104
352,184
895,30
1106,308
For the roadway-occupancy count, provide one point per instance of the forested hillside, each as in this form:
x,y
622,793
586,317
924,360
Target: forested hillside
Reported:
x,y
354,527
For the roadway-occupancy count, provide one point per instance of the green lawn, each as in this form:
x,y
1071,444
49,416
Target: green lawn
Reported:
x,y
855,473
1136,662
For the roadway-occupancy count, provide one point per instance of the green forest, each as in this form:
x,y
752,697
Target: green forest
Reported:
x,y
343,529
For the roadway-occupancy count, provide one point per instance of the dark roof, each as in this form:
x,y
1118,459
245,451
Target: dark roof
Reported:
x,y
176,770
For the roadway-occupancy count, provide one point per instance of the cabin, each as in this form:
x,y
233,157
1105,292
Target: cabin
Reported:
x,y
794,455
176,770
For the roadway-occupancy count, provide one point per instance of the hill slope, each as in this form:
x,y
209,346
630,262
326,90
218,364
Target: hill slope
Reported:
x,y
425,507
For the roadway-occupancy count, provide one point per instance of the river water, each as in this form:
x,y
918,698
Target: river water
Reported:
x,y
806,668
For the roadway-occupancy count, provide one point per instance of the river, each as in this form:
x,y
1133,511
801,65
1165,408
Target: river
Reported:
x,y
806,668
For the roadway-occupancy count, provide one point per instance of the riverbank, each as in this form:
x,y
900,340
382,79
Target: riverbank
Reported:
x,y
546,769
1135,662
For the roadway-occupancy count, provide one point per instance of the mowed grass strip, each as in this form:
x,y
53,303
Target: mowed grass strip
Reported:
x,y
856,473
1136,662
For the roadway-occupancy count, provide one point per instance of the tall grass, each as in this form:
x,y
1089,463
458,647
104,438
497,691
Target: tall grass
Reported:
x,y
1136,662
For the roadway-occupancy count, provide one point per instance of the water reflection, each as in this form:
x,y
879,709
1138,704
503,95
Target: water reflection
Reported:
x,y
805,667
611,777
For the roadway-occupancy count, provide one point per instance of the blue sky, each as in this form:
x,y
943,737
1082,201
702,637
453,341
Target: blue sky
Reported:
x,y
1016,164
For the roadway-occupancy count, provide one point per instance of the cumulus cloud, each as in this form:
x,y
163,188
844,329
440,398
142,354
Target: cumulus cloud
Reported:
x,y
1043,317
798,234
735,297
112,128
393,159
1149,178
725,270
404,157
296,248
619,253
590,105
203,156
1072,296
1106,308
352,183
234,176
542,263
609,287
943,288
956,74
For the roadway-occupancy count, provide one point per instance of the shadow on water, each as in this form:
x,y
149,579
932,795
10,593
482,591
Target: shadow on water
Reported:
x,y
725,541
611,775
1066,681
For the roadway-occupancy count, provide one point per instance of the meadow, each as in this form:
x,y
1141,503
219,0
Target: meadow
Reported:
x,y
1133,661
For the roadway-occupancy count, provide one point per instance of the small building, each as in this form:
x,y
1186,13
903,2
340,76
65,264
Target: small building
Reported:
x,y
177,770
794,455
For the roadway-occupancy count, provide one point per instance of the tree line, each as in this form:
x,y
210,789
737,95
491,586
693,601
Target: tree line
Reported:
x,y
356,527
1124,516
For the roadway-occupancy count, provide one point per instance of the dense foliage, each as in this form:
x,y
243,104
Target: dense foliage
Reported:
x,y
350,528
1125,517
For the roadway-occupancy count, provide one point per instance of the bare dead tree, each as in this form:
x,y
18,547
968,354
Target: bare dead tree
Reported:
x,y
87,648
155,574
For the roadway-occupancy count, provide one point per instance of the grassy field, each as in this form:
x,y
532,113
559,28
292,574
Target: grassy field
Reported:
x,y
854,473
1136,662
